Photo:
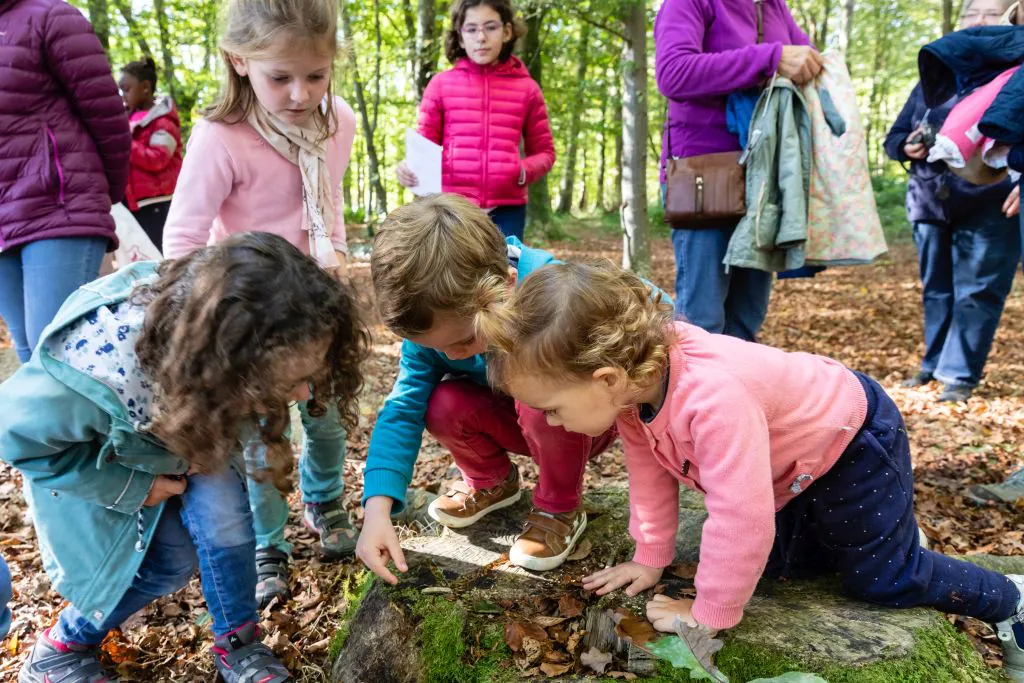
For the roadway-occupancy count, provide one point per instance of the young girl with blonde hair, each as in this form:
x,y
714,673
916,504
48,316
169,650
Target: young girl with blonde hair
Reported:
x,y
271,153
805,464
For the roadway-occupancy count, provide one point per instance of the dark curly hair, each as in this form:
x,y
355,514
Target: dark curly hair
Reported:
x,y
142,70
218,324
452,45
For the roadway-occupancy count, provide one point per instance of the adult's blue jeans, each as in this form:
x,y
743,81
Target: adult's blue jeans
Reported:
x,y
37,277
966,271
209,527
733,302
320,476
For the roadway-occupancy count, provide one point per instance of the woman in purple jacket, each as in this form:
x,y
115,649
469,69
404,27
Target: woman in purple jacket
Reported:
x,y
64,147
704,51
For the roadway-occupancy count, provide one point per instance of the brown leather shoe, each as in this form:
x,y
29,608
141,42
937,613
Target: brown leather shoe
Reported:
x,y
548,539
463,505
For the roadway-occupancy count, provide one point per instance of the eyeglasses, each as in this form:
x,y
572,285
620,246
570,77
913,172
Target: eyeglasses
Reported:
x,y
490,28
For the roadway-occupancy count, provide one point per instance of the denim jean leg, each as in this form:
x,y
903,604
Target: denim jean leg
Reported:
x,y
985,256
746,305
702,284
934,244
5,598
511,220
323,455
169,564
12,302
215,510
52,270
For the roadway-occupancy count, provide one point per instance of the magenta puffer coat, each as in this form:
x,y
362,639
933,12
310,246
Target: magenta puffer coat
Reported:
x,y
64,136
479,115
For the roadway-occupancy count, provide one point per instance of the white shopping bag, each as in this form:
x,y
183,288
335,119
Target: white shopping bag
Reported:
x,y
134,245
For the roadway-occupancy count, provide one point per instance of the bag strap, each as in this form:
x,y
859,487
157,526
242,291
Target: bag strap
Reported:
x,y
759,10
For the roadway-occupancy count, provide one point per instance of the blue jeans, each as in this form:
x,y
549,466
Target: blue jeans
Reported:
x,y
733,302
966,272
208,526
858,520
37,277
320,472
5,597
511,220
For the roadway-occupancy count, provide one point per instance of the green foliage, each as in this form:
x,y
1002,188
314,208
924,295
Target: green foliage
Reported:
x,y
882,47
355,590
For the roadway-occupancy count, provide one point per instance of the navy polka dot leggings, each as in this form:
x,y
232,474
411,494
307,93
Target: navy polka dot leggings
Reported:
x,y
858,519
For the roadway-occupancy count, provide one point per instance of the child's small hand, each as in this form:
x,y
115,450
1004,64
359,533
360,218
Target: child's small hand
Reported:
x,y
164,488
405,176
378,543
663,610
341,272
1011,207
639,577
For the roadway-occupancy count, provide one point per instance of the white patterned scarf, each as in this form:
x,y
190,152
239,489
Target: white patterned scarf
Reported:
x,y
299,145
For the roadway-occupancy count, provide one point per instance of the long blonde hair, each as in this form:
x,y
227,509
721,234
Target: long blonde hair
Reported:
x,y
567,320
251,27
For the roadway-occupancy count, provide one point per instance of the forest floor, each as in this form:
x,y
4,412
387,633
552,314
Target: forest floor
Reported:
x,y
866,317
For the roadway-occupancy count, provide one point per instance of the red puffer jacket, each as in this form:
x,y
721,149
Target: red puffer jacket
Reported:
x,y
479,115
156,154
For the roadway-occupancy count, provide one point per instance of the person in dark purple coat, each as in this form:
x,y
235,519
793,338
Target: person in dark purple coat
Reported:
x,y
64,148
705,50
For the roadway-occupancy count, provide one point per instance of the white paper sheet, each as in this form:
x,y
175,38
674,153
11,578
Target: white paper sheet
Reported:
x,y
424,159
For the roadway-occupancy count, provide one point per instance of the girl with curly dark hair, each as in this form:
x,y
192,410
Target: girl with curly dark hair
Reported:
x,y
129,425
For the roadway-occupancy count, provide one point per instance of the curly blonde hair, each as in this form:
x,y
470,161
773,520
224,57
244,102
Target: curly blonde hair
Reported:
x,y
430,257
567,320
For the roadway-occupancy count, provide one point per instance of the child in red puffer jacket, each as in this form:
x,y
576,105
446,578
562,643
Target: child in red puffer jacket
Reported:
x,y
156,148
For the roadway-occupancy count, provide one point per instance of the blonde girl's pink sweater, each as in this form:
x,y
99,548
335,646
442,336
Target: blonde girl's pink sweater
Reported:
x,y
233,181
748,425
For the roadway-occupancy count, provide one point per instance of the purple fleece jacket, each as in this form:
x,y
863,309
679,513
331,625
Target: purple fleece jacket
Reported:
x,y
703,51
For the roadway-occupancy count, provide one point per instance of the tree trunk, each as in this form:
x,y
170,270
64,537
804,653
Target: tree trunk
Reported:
x,y
850,8
583,181
409,18
210,37
99,17
617,126
165,48
565,195
428,44
636,251
376,187
947,16
602,160
538,208
125,8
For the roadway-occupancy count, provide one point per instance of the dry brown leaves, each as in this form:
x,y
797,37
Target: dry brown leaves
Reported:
x,y
868,318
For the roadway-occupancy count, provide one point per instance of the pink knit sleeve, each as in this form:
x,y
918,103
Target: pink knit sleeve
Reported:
x,y
730,438
206,179
653,500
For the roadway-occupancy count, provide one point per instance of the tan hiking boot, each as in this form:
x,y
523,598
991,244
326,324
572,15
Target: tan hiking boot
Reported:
x,y
548,539
463,505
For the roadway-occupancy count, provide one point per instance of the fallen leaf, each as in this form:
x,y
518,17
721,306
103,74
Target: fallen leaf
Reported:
x,y
557,657
532,650
596,660
514,636
624,675
547,622
569,606
171,609
552,669
574,642
635,629
582,551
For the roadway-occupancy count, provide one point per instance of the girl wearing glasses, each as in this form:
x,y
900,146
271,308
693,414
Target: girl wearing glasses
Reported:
x,y
481,109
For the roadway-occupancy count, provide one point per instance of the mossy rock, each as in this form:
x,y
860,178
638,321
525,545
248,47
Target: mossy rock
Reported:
x,y
808,626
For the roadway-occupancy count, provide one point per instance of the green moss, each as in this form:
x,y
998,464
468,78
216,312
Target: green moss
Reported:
x,y
940,655
443,633
356,588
